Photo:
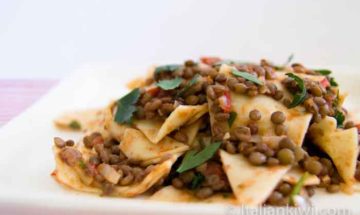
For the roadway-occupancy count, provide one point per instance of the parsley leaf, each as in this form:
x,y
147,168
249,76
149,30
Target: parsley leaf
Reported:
x,y
247,76
340,118
193,159
167,68
333,83
197,180
126,106
300,96
322,71
297,188
232,118
189,84
75,125
169,84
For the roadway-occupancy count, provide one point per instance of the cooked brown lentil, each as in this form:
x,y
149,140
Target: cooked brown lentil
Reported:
x,y
280,130
278,117
286,156
255,115
60,143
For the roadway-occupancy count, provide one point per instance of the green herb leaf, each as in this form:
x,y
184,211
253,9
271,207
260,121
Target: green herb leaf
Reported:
x,y
189,84
231,62
82,164
197,180
75,125
126,106
247,76
193,159
287,62
169,84
300,96
333,83
167,68
322,71
340,118
232,118
297,188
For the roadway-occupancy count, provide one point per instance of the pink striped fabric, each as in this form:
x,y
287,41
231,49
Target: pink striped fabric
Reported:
x,y
17,95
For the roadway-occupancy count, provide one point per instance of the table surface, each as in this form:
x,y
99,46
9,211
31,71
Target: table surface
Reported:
x,y
17,95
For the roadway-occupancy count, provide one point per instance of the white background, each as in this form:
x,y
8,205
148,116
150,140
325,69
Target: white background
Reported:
x,y
49,39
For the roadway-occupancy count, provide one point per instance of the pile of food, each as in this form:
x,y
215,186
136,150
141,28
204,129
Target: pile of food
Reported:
x,y
218,131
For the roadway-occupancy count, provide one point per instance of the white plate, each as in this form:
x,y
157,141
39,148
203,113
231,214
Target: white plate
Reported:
x,y
26,160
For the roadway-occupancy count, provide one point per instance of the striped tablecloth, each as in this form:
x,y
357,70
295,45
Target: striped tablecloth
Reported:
x,y
17,95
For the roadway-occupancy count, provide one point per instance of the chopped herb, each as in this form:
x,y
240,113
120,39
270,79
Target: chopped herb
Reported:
x,y
226,195
82,164
193,159
232,118
75,125
297,188
167,68
300,96
197,180
289,59
340,118
287,62
322,71
169,84
247,76
333,83
126,107
231,62
189,84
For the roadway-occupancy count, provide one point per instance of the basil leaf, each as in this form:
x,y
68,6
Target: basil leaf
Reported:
x,y
126,106
169,84
247,76
193,159
197,180
189,84
232,118
167,68
333,83
297,188
75,125
322,71
300,96
340,118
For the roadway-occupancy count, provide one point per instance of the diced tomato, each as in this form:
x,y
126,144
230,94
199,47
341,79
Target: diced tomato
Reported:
x,y
210,60
325,83
153,91
225,102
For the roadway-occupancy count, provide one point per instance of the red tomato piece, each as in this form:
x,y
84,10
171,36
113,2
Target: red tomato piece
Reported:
x,y
225,102
325,83
210,60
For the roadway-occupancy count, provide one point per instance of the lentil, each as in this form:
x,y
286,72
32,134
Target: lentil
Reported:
x,y
257,158
278,117
286,156
280,130
255,115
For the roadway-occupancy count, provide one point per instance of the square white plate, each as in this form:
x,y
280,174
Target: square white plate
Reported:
x,y
26,159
